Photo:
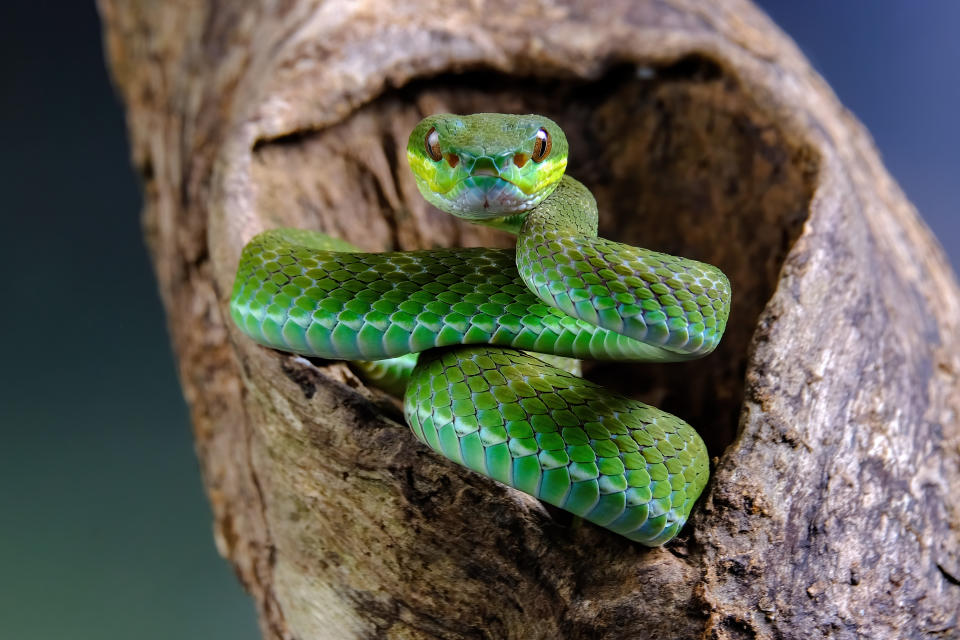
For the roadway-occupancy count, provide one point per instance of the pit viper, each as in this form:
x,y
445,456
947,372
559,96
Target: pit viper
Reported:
x,y
462,330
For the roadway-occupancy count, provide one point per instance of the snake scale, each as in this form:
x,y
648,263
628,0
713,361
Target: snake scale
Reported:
x,y
462,330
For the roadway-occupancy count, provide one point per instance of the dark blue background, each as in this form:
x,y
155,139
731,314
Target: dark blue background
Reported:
x,y
104,528
896,65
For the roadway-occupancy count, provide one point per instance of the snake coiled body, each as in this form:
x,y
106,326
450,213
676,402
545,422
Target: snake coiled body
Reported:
x,y
479,394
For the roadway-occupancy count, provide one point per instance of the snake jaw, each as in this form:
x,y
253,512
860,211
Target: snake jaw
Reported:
x,y
482,196
484,188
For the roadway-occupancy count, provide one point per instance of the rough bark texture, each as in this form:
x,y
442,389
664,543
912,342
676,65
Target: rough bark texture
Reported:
x,y
831,407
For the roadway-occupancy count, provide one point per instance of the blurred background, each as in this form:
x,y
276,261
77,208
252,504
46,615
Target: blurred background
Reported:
x,y
105,530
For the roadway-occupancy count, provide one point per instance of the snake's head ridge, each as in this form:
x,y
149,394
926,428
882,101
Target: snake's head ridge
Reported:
x,y
487,165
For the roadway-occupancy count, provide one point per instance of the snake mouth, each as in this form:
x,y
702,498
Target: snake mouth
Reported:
x,y
486,172
483,195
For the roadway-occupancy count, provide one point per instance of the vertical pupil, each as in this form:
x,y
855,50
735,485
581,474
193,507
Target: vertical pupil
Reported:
x,y
542,145
433,144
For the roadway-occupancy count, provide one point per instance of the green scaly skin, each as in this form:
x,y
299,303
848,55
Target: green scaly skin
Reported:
x,y
478,394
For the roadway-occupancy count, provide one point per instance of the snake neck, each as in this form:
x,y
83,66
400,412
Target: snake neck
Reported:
x,y
570,210
510,224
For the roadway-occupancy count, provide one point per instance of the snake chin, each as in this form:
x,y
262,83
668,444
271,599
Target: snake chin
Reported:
x,y
482,197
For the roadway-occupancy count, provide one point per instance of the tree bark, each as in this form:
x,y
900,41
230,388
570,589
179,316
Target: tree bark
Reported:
x,y
832,406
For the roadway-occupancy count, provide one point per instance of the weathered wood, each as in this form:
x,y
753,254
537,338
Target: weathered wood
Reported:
x,y
832,405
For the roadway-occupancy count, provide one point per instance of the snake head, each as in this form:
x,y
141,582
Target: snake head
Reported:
x,y
486,165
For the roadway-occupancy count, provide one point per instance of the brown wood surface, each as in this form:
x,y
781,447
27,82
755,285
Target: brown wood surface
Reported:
x,y
832,406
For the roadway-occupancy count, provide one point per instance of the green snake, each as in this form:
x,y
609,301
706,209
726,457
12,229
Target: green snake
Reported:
x,y
463,330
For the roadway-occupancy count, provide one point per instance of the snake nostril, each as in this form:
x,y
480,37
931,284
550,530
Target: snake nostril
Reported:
x,y
520,159
453,160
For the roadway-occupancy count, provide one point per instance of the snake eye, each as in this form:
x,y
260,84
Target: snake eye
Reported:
x,y
542,145
433,145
